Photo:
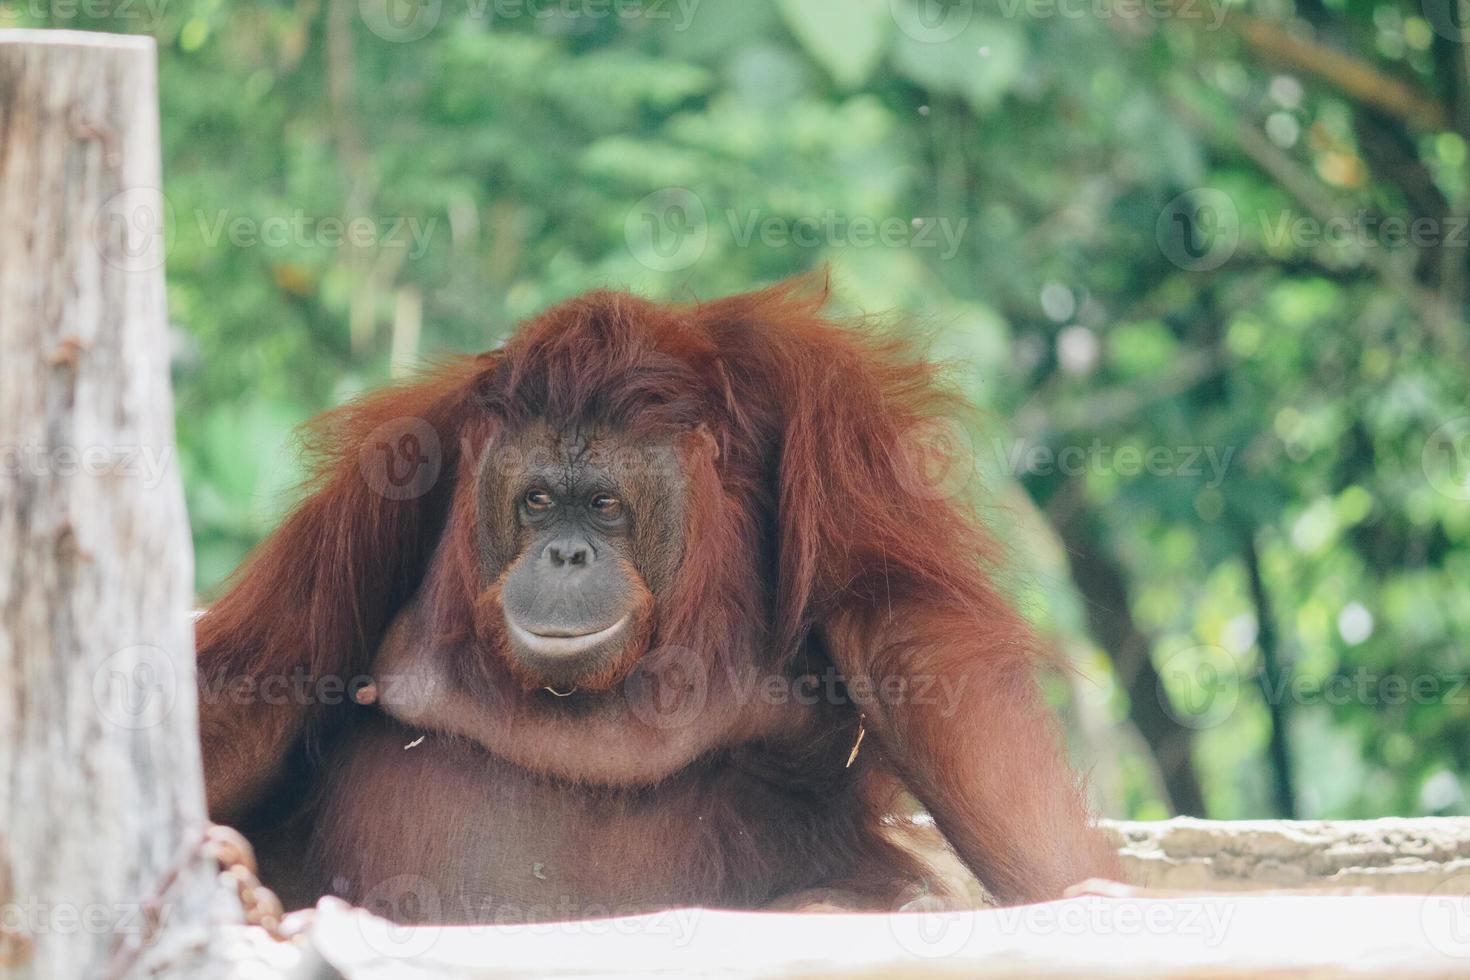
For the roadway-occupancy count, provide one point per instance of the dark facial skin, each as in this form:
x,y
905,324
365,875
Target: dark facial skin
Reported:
x,y
571,598
569,518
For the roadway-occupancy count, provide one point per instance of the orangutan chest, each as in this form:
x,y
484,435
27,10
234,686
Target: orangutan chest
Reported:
x,y
438,830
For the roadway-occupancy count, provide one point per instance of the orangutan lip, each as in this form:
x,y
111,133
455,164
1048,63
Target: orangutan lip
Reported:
x,y
562,645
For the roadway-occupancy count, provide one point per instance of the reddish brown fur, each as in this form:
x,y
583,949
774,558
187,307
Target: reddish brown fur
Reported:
x,y
804,544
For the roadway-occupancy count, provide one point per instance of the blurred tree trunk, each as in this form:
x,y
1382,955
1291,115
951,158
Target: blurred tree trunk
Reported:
x,y
1274,682
1103,584
101,789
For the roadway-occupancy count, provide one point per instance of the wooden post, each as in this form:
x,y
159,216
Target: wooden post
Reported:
x,y
101,791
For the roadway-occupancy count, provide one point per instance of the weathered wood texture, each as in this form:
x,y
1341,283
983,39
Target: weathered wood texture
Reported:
x,y
100,782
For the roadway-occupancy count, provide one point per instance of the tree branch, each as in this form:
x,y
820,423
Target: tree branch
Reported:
x,y
1359,80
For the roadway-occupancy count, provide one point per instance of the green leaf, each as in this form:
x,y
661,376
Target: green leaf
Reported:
x,y
981,64
846,37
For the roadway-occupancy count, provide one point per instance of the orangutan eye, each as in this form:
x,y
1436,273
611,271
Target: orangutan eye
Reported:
x,y
607,506
538,500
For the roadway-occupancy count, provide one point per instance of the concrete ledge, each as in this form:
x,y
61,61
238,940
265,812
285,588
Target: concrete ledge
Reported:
x,y
1350,898
1392,856
1395,855
1128,936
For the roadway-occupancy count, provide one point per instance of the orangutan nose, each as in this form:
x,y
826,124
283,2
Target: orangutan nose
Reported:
x,y
567,552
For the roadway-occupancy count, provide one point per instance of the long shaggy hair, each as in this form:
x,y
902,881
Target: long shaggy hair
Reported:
x,y
812,523
821,434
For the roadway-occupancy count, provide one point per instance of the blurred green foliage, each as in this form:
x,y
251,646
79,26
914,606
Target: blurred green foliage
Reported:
x,y
1150,236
